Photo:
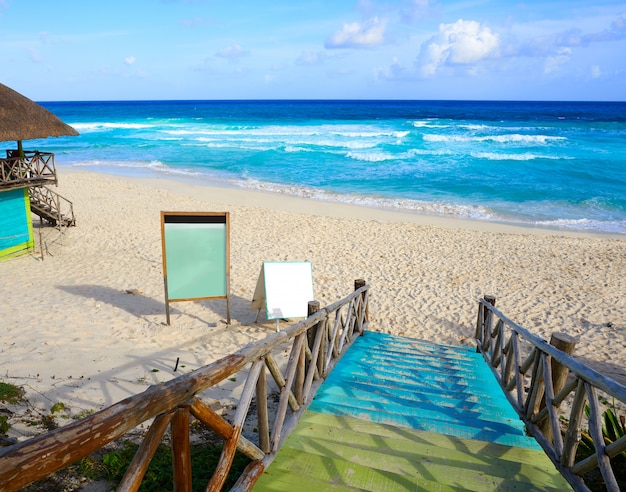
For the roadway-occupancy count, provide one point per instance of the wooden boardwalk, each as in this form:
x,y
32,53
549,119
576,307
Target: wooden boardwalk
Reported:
x,y
398,414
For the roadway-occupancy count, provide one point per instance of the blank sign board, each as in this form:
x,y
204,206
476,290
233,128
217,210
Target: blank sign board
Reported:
x,y
195,255
286,288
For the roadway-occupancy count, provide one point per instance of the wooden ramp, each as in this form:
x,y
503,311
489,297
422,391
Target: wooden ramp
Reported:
x,y
398,414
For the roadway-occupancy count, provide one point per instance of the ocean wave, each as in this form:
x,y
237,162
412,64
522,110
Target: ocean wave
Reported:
x,y
428,124
86,127
294,149
372,156
526,156
510,138
276,144
131,164
387,156
603,226
473,212
500,213
288,131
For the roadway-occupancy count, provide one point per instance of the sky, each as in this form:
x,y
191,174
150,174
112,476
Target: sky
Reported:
x,y
73,50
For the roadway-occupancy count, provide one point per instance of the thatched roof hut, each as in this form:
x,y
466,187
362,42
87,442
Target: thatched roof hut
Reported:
x,y
23,119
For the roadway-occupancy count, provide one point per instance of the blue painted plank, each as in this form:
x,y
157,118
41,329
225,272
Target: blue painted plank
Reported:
x,y
431,393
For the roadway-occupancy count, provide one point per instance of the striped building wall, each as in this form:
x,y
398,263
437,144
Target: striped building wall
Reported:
x,y
16,226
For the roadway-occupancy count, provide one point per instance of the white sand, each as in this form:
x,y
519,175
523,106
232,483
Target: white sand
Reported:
x,y
72,334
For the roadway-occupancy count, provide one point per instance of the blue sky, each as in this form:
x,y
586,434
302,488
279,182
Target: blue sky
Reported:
x,y
53,50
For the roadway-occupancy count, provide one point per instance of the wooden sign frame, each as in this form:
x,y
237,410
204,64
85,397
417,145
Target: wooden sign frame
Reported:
x,y
196,257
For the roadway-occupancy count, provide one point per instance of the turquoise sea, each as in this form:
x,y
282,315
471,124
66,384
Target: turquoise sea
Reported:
x,y
547,164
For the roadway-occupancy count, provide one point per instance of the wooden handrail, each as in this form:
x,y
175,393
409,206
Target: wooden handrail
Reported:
x,y
32,168
172,403
529,387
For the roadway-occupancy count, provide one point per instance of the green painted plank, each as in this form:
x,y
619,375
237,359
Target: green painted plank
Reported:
x,y
418,473
352,454
344,473
362,432
496,421
275,479
403,453
495,433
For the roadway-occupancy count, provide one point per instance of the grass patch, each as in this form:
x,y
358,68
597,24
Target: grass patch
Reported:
x,y
9,393
112,463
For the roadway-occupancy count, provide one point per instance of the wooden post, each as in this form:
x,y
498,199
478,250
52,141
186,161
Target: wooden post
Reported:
x,y
41,237
300,375
262,415
313,307
565,343
181,457
358,283
486,319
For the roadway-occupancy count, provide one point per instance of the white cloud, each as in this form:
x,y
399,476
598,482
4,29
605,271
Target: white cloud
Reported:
x,y
129,60
356,35
195,22
554,63
462,43
395,71
234,51
34,55
615,32
414,10
310,58
596,73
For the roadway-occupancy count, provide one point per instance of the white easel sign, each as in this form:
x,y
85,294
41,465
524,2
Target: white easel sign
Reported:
x,y
285,288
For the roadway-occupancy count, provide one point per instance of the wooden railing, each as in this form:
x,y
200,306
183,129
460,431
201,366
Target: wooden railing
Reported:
x,y
316,344
31,169
558,397
52,207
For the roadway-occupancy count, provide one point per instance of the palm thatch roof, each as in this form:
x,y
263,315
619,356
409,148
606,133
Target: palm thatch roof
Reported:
x,y
23,119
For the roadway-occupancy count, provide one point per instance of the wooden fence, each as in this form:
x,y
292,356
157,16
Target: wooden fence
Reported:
x,y
31,169
316,344
559,398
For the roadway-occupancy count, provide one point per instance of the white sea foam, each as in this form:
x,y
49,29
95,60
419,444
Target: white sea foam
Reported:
x,y
526,156
609,226
398,204
133,164
372,156
509,138
428,124
95,126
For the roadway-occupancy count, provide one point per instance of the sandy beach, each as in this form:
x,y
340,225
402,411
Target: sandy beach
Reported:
x,y
85,326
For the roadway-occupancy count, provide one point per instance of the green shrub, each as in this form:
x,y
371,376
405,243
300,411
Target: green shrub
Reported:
x,y
204,457
614,427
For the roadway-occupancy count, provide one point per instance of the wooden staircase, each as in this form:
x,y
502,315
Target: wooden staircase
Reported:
x,y
405,415
51,207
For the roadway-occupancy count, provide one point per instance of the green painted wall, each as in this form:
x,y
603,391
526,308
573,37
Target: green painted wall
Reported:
x,y
16,226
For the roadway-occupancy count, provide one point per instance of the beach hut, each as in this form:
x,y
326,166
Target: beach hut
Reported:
x,y
24,174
